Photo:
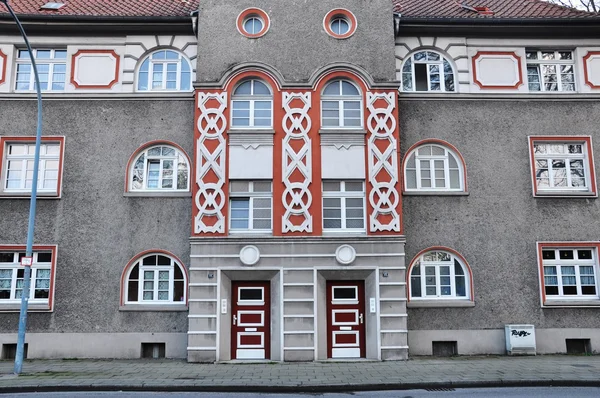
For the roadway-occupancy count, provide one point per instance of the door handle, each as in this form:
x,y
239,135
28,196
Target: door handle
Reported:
x,y
361,318
235,319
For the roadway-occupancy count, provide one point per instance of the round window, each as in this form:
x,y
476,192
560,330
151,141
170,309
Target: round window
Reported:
x,y
253,23
340,23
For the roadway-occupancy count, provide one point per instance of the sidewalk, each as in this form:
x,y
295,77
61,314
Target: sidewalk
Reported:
x,y
178,375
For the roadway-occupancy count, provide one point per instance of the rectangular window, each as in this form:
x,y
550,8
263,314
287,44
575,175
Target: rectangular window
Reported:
x,y
17,155
562,166
569,272
550,70
12,277
250,206
52,69
344,206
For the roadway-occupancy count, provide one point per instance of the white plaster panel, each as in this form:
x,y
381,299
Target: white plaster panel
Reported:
x,y
462,64
259,157
427,41
129,63
401,52
135,50
149,41
341,162
410,42
498,69
6,67
164,40
587,59
458,44
181,41
95,69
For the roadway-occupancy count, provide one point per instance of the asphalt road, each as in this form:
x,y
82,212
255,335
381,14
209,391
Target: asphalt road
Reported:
x,y
534,392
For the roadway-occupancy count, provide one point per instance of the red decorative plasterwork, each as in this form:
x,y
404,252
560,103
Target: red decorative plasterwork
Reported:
x,y
94,86
586,71
484,86
3,60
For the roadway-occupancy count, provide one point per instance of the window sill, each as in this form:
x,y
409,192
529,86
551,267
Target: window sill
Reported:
x,y
16,307
558,303
23,195
154,307
565,194
342,130
146,194
435,193
460,303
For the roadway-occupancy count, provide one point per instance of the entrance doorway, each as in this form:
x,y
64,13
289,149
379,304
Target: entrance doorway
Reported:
x,y
250,323
345,319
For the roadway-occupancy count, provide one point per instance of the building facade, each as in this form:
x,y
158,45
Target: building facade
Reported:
x,y
256,180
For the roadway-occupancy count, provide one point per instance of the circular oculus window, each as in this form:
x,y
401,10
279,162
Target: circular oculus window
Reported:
x,y
339,23
253,22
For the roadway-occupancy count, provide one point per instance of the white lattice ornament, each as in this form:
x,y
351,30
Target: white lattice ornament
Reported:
x,y
383,162
297,162
210,159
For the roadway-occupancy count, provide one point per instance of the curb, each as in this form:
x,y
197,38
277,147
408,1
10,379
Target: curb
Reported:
x,y
302,388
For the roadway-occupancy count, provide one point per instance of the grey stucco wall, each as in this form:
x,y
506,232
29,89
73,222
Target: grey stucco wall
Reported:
x,y
96,228
296,43
497,226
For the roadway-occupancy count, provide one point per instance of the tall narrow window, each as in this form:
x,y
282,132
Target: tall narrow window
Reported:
x,y
160,168
344,206
51,65
427,71
550,70
155,278
252,103
433,168
341,105
165,70
439,274
250,206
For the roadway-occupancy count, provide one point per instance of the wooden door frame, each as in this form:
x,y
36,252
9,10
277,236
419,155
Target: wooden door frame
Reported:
x,y
267,318
361,308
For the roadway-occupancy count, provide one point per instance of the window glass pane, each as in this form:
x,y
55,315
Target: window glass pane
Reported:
x,y
349,89
150,260
243,89
345,293
584,254
566,254
260,88
332,88
415,286
331,186
421,77
251,294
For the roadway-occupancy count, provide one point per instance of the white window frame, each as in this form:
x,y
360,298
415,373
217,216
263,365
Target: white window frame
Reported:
x,y
251,195
15,266
51,62
344,195
585,156
568,299
432,159
437,264
177,158
539,63
252,99
341,102
156,269
24,159
149,80
408,72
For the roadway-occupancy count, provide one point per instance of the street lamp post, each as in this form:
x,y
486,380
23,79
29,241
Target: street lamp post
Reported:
x,y
32,206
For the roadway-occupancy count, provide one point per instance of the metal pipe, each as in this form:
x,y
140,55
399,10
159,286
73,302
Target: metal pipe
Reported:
x,y
34,185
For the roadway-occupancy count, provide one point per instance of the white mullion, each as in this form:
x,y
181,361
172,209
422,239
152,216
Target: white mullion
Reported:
x,y
578,285
550,172
559,277
178,73
432,173
251,212
428,80
568,171
165,67
452,279
33,277
447,169
418,169
343,211
141,280
171,289
438,281
145,169
155,279
341,112
51,73
423,283
413,73
251,110
160,172
13,290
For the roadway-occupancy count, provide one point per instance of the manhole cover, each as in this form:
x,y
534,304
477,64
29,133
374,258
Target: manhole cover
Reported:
x,y
440,389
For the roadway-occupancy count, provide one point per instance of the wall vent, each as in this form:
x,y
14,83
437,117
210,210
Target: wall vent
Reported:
x,y
578,346
444,348
153,350
9,351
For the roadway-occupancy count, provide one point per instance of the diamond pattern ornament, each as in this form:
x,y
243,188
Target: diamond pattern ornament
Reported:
x,y
297,163
210,163
383,163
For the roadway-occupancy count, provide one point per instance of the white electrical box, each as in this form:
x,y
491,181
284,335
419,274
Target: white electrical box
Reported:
x,y
520,339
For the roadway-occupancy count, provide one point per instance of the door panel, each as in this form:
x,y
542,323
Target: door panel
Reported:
x,y
345,319
250,323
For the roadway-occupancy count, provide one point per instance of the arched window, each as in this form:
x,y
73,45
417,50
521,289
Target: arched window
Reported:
x,y
341,105
165,70
252,105
433,167
439,274
159,168
155,278
427,71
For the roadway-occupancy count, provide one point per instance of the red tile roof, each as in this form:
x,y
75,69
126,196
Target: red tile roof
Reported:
x,y
107,8
408,8
501,9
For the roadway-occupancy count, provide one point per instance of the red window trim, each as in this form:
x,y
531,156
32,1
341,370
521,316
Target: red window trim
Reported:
x,y
30,139
586,72
443,143
37,248
444,249
248,12
136,258
572,245
344,13
593,192
3,64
